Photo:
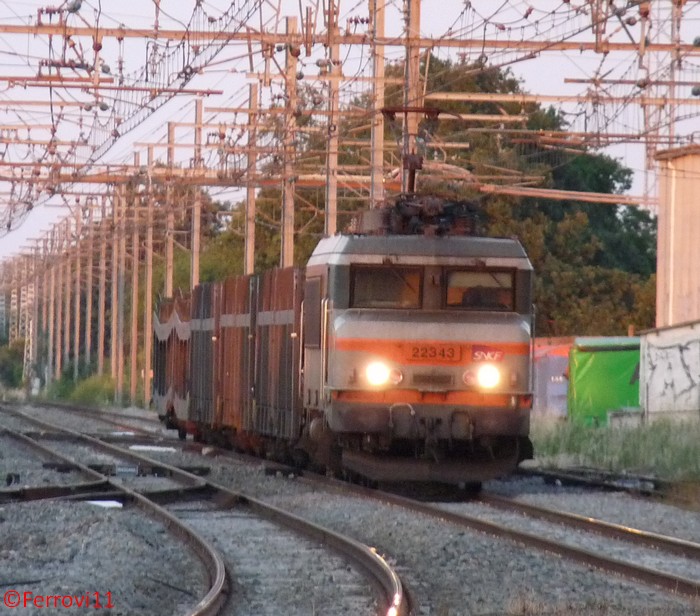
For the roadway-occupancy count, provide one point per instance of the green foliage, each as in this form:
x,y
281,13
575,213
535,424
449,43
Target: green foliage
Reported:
x,y
628,243
63,388
595,173
12,364
181,272
93,391
585,284
665,449
222,257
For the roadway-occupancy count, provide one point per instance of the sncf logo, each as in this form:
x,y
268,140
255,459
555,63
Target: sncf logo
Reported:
x,y
484,353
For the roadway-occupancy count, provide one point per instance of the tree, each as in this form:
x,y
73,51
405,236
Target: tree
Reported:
x,y
12,364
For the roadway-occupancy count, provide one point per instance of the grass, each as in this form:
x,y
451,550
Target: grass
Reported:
x,y
663,449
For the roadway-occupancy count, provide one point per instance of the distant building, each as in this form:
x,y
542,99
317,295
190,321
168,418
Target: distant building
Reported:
x,y
678,249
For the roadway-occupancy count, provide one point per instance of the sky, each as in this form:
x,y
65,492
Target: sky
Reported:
x,y
509,20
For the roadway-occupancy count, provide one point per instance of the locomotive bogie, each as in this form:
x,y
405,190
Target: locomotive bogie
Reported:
x,y
456,470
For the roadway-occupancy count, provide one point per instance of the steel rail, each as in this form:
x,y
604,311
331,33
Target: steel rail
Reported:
x,y
43,492
684,494
599,479
675,584
123,437
395,600
183,477
215,598
673,545
365,558
669,582
110,418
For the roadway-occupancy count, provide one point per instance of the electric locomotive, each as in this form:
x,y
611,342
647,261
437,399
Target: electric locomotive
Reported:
x,y
400,354
417,352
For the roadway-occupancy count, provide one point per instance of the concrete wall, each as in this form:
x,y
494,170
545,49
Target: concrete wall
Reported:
x,y
670,372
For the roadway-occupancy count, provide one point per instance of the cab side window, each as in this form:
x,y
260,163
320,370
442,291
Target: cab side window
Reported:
x,y
312,313
387,286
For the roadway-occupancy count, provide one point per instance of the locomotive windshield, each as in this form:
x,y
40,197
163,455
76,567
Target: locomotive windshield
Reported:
x,y
480,290
386,286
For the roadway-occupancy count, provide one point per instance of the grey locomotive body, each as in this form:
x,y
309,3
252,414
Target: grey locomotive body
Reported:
x,y
417,354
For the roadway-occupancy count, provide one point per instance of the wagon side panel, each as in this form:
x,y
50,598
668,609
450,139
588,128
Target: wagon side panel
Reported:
x,y
201,356
235,356
277,402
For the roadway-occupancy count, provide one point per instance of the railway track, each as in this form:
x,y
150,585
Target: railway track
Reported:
x,y
605,555
93,420
594,478
628,566
197,494
569,537
105,487
511,529
672,545
380,522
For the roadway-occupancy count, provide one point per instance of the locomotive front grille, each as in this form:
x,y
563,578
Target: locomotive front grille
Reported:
x,y
434,380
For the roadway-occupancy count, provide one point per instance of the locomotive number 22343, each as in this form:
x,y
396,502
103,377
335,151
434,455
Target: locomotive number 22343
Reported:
x,y
447,352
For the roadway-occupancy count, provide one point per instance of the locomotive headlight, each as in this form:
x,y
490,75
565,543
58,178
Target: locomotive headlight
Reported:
x,y
488,376
378,374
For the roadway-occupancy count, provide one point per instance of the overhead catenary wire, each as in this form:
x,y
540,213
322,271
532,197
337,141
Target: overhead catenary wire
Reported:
x,y
566,20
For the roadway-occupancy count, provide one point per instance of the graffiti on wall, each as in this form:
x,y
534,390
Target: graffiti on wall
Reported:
x,y
672,377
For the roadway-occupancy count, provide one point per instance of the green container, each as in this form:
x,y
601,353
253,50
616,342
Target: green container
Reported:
x,y
603,377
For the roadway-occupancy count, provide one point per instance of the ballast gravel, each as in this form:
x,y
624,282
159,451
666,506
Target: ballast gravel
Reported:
x,y
455,572
23,467
276,571
99,421
616,507
79,549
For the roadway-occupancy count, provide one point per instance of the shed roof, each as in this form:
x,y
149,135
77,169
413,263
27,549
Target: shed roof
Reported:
x,y
606,343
